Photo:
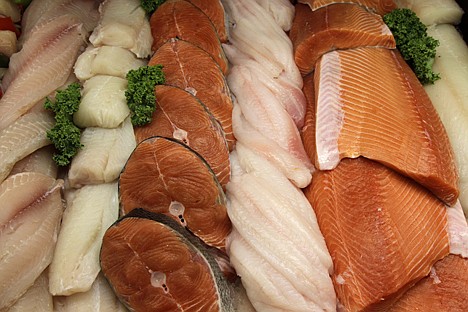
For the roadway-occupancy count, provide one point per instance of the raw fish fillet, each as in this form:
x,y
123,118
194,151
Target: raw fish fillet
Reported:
x,y
39,161
46,69
190,68
90,211
103,156
369,103
458,231
103,103
214,9
276,246
334,27
182,20
36,299
181,116
21,138
380,7
106,60
444,290
383,231
281,10
30,212
268,44
123,24
308,131
432,12
450,97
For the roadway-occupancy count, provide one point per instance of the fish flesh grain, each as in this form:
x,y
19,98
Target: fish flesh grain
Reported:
x,y
338,26
48,67
276,241
124,24
182,20
21,138
36,299
281,10
383,231
263,111
106,60
165,176
103,156
380,7
181,116
103,103
444,290
100,298
190,68
90,211
40,161
432,12
214,9
183,277
449,96
308,131
457,230
268,44
383,114
30,212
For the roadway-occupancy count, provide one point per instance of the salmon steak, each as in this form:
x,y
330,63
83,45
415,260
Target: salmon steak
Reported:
x,y
369,103
182,20
380,7
190,68
181,116
214,9
383,231
165,176
339,26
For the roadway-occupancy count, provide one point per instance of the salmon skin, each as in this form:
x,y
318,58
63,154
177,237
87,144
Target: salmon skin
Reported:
x,y
369,103
380,7
190,68
338,26
383,231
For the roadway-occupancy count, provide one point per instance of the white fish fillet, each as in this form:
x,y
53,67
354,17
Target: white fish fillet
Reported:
x,y
41,74
281,10
103,103
103,156
39,161
21,138
432,12
106,60
90,211
28,231
457,230
123,24
37,298
449,95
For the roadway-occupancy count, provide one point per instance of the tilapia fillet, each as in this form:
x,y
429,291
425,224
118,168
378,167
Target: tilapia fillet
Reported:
x,y
369,103
383,231
378,6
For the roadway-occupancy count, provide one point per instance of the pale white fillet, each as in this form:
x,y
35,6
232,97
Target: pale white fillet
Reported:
x,y
37,298
103,156
458,231
449,95
90,211
123,24
8,8
21,138
100,298
42,73
39,161
30,212
106,60
103,103
7,43
281,10
432,12
268,44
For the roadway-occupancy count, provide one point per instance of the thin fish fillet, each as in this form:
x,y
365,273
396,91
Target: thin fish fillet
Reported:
x,y
338,26
457,230
281,10
444,290
37,298
369,103
433,12
383,231
39,161
214,9
380,7
42,74
190,68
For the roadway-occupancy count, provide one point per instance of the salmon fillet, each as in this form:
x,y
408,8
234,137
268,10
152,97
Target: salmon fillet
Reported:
x,y
380,7
214,9
339,26
369,103
183,20
308,131
190,68
383,230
